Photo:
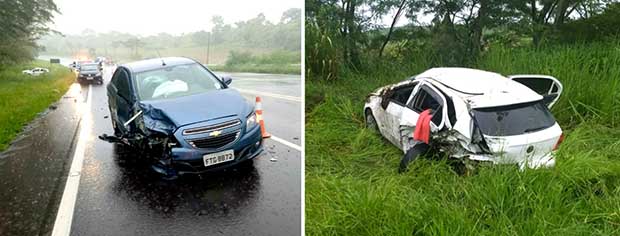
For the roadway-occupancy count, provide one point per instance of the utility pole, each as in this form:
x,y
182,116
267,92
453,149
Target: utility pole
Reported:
x,y
208,47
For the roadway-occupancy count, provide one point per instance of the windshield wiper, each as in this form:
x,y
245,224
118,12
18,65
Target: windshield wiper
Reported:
x,y
533,129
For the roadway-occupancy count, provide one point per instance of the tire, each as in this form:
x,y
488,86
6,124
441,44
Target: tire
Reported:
x,y
117,131
371,122
412,154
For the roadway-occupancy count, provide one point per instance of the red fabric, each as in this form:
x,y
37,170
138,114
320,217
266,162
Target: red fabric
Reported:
x,y
423,127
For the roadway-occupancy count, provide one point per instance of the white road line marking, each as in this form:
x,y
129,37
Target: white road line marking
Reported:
x,y
265,80
273,95
287,143
62,225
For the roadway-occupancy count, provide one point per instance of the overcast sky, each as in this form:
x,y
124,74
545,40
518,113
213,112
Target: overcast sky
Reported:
x,y
146,17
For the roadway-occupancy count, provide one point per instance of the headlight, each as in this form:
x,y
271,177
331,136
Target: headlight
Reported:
x,y
250,121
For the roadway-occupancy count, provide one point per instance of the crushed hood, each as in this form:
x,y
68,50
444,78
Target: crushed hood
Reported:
x,y
168,114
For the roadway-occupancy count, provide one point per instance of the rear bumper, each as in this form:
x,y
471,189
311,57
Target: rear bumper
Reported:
x,y
545,161
85,78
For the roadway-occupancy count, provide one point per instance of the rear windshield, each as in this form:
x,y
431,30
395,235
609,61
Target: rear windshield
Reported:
x,y
514,119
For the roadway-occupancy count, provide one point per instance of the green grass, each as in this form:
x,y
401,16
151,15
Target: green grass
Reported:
x,y
258,68
352,185
22,97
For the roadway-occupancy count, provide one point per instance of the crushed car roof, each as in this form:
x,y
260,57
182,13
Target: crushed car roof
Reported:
x,y
150,64
481,88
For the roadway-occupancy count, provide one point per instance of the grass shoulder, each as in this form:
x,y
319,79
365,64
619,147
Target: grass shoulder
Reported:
x,y
23,96
258,68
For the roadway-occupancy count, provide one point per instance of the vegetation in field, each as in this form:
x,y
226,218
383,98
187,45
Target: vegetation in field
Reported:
x,y
23,96
352,184
278,62
257,40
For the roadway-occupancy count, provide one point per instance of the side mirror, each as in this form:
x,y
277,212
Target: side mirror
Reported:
x,y
227,79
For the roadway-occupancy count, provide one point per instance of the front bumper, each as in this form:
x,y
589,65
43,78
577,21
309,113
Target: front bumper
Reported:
x,y
189,160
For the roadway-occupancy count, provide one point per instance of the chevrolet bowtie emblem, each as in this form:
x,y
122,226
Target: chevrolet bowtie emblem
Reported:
x,y
215,133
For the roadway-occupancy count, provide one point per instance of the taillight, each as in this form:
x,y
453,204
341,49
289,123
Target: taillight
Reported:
x,y
557,145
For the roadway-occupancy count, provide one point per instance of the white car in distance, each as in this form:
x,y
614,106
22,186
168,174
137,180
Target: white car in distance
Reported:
x,y
36,71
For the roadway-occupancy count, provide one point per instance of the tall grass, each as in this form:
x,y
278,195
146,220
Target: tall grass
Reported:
x,y
352,187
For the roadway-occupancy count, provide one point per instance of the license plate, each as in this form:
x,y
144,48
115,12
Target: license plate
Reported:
x,y
216,158
89,78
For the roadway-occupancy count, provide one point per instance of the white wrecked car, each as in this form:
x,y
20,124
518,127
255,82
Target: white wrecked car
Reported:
x,y
476,115
36,71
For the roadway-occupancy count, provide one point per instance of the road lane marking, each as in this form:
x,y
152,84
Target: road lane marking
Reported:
x,y
237,80
64,217
273,95
287,143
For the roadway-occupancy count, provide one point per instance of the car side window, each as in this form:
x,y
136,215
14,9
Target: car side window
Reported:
x,y
428,99
401,95
121,82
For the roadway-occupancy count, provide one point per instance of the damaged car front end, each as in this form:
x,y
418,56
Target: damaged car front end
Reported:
x,y
181,116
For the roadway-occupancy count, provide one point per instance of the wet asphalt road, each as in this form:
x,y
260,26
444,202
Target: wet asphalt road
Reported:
x,y
119,195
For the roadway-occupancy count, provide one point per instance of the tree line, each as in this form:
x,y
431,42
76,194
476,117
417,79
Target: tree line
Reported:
x,y
22,22
450,32
256,32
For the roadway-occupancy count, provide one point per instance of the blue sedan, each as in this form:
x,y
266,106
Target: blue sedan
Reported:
x,y
182,115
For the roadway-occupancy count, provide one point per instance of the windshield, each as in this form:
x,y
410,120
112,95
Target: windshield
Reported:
x,y
514,119
175,81
89,67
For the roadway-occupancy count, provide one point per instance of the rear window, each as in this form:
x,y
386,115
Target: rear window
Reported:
x,y
514,119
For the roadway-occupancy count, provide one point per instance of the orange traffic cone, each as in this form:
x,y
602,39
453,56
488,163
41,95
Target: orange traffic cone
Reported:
x,y
259,117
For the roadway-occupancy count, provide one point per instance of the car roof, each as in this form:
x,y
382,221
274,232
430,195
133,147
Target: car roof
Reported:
x,y
154,63
481,88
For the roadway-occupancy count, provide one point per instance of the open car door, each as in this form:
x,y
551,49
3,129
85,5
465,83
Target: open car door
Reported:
x,y
547,86
424,96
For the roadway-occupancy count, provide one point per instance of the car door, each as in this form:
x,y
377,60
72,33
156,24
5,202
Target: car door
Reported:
x,y
424,96
397,103
547,86
121,99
